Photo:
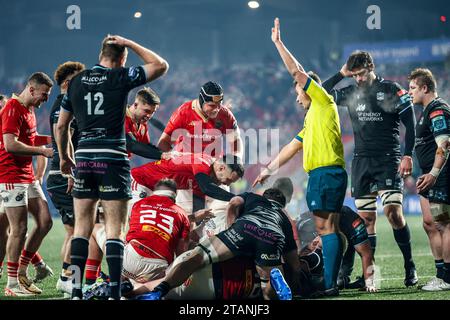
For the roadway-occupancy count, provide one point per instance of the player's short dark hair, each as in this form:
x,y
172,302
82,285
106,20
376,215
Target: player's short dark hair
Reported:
x,y
275,195
313,76
423,77
234,163
112,51
148,96
40,78
67,69
3,97
166,183
360,59
285,185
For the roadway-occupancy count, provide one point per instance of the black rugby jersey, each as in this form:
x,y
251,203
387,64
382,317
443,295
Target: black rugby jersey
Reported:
x,y
434,121
375,114
54,116
97,98
270,216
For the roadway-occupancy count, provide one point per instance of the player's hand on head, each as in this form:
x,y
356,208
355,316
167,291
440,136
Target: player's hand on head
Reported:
x,y
276,37
425,182
345,72
115,39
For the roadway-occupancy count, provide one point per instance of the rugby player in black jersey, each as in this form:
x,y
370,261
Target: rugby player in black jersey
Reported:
x,y
59,187
376,107
97,99
432,150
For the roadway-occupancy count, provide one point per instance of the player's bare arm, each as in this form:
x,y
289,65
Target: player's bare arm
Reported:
x,y
62,140
164,142
155,66
286,154
233,209
14,146
426,181
292,65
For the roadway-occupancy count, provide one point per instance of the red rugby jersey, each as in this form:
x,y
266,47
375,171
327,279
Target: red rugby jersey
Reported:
x,y
18,120
158,223
182,169
138,131
197,131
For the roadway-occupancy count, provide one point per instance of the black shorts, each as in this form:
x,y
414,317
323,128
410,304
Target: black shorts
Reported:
x,y
440,192
63,202
370,174
246,238
102,176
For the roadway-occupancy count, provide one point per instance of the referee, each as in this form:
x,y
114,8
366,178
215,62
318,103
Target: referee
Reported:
x,y
323,159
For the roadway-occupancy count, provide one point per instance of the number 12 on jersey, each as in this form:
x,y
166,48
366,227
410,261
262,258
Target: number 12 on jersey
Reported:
x,y
98,97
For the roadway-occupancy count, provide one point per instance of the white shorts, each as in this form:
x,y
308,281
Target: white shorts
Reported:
x,y
17,194
185,200
142,269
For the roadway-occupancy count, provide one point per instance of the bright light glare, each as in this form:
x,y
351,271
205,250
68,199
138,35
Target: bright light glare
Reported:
x,y
137,14
253,4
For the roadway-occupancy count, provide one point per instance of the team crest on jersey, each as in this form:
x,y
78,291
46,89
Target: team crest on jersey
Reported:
x,y
143,131
438,123
133,73
380,96
218,124
361,107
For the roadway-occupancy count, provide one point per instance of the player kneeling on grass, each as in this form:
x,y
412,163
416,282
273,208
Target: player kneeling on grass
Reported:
x,y
261,231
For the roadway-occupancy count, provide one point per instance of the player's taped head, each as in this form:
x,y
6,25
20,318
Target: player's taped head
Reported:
x,y
366,203
391,197
210,92
208,251
286,186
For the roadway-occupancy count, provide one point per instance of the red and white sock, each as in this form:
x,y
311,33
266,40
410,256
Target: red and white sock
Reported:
x,y
37,260
25,259
91,270
12,274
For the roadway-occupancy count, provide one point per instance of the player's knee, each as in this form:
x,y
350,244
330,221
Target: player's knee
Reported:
x,y
207,251
18,230
441,215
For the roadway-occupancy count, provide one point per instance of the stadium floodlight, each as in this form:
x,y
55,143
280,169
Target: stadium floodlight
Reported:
x,y
137,14
253,4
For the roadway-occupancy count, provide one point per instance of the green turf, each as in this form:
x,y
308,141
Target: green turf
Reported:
x,y
388,258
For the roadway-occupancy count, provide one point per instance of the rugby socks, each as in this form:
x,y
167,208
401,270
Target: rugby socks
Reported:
x,y
403,238
91,270
24,261
332,256
37,260
78,256
114,258
373,242
348,261
439,268
446,277
65,273
12,274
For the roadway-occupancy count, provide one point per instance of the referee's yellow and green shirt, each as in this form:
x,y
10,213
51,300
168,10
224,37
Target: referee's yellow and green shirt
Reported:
x,y
321,133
